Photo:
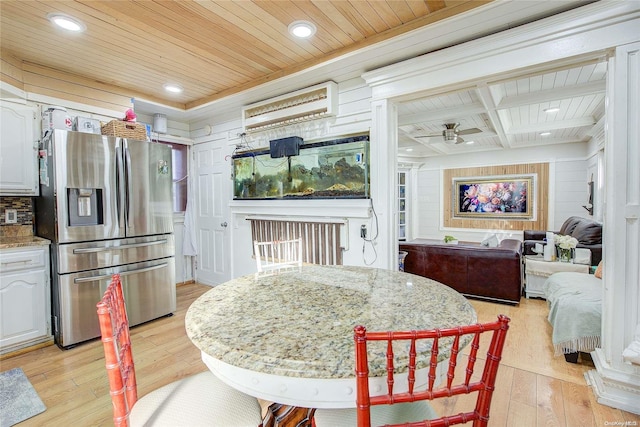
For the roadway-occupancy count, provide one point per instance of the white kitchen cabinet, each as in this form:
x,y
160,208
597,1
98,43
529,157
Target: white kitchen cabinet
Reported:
x,y
18,150
25,301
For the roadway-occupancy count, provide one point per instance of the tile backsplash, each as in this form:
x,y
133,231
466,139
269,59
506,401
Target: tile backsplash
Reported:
x,y
24,210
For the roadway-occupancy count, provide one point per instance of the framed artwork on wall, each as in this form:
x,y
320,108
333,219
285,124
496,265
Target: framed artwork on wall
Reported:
x,y
505,197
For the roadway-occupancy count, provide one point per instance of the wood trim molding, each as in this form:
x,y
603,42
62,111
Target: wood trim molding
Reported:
x,y
540,221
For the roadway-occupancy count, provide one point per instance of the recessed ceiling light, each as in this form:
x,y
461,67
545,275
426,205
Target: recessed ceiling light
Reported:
x,y
302,29
66,22
470,142
409,149
551,110
173,88
545,133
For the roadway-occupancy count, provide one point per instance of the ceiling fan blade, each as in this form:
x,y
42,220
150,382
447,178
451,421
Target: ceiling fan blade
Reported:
x,y
451,128
469,131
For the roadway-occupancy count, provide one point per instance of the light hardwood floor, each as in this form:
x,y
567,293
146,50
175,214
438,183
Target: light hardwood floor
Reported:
x,y
534,388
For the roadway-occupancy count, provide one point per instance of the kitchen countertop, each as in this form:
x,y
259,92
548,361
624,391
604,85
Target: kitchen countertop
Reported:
x,y
20,236
9,242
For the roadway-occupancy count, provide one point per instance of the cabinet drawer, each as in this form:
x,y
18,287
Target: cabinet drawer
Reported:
x,y
22,260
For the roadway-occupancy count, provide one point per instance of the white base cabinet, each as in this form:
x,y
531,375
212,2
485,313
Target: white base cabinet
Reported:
x,y
25,302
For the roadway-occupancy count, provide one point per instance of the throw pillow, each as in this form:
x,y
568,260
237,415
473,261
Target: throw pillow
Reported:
x,y
491,241
598,272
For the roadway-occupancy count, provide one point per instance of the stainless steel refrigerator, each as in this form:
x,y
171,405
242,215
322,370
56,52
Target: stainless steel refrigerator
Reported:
x,y
106,205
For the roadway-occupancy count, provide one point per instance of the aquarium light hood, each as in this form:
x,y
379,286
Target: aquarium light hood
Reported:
x,y
311,103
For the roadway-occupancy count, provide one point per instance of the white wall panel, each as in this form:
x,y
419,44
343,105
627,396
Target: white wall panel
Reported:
x,y
354,116
571,190
428,203
568,184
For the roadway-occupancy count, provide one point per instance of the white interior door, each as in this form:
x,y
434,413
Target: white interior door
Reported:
x,y
212,191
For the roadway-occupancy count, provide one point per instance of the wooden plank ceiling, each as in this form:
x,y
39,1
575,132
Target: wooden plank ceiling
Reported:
x,y
211,48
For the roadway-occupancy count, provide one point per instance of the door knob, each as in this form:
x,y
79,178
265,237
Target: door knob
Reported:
x,y
223,224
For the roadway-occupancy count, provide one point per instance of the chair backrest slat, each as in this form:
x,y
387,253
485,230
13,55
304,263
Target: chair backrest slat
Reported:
x,y
116,340
278,255
453,360
412,365
483,387
475,345
433,363
390,367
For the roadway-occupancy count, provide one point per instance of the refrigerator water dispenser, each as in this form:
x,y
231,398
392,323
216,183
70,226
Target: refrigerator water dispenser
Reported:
x,y
84,206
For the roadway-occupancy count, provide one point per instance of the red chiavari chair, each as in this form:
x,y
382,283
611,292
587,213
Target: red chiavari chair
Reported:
x,y
198,400
483,387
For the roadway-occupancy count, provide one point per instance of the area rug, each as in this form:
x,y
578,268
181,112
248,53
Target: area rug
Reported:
x,y
18,398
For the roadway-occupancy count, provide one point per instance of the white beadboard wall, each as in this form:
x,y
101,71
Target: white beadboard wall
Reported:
x,y
569,173
354,116
571,190
425,218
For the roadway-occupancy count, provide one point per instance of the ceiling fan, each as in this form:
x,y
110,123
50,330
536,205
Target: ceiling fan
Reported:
x,y
451,133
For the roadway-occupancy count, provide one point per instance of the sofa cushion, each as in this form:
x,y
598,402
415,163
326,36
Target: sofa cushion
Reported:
x,y
588,232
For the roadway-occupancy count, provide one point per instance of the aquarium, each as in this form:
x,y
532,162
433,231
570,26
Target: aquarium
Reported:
x,y
332,169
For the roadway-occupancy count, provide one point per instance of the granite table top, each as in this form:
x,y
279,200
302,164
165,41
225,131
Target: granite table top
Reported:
x,y
300,323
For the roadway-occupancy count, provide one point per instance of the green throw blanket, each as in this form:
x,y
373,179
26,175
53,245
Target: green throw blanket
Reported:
x,y
575,311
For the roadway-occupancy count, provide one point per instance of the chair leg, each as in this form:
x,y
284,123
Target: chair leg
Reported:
x,y
571,357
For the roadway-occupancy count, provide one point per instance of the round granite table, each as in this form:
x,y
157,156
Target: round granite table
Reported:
x,y
288,338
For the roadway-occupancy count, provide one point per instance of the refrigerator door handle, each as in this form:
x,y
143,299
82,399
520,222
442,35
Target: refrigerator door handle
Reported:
x,y
124,273
127,162
110,248
119,184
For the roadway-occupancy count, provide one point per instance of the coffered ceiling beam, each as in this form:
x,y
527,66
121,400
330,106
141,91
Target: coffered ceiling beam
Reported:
x,y
598,128
547,126
441,116
548,141
490,108
553,94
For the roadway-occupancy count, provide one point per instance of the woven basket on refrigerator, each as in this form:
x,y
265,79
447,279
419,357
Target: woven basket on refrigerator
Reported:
x,y
125,130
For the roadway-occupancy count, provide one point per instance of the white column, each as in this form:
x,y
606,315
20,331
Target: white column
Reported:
x,y
384,147
616,382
